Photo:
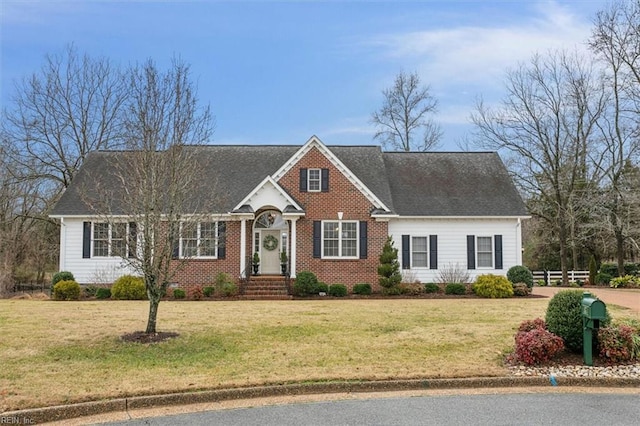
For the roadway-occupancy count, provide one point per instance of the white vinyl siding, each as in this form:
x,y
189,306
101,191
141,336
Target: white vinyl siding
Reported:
x,y
93,270
452,242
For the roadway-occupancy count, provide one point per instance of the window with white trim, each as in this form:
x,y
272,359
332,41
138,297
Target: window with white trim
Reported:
x,y
313,180
484,252
110,239
419,252
198,239
340,239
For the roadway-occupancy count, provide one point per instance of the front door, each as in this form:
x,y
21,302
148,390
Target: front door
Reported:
x,y
270,251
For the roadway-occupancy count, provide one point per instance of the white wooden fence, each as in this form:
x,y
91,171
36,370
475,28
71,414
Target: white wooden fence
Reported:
x,y
550,277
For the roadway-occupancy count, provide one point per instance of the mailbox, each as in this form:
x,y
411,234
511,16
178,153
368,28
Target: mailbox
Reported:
x,y
592,308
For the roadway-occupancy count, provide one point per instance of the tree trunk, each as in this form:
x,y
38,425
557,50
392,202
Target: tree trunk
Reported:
x,y
154,301
620,251
562,236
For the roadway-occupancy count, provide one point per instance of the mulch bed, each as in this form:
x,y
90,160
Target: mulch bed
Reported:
x,y
142,337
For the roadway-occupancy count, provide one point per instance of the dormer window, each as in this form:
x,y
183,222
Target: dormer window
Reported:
x,y
313,180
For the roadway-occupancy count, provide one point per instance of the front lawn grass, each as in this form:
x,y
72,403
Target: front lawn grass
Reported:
x,y
64,352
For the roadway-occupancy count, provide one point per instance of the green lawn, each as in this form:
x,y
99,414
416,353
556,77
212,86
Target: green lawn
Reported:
x,y
62,352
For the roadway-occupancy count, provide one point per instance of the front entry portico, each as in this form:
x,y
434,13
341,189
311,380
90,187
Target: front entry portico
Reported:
x,y
270,232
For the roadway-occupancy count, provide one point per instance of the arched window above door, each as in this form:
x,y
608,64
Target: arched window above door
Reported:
x,y
270,219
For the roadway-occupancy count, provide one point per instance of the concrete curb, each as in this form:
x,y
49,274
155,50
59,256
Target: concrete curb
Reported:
x,y
63,412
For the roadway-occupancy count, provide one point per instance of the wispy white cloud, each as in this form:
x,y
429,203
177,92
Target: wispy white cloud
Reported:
x,y
459,62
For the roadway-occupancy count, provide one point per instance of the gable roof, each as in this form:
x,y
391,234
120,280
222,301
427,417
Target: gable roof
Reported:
x,y
451,184
408,184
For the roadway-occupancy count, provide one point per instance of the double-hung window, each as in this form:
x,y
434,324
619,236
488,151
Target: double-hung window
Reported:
x,y
313,180
484,252
419,252
110,239
198,239
340,239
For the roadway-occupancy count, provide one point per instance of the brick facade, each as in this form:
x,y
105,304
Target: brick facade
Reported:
x,y
342,196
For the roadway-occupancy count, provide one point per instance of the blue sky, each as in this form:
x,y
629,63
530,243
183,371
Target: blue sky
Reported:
x,y
279,72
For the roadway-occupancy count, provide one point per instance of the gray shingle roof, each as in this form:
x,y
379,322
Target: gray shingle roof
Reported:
x,y
452,184
411,184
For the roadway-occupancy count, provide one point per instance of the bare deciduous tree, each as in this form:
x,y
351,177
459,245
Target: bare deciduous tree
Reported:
x,y
157,177
404,121
616,41
60,114
545,127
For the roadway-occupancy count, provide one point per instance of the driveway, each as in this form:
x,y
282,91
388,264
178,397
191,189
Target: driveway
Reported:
x,y
629,298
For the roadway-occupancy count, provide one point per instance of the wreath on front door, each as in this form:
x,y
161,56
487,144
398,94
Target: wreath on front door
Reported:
x,y
270,242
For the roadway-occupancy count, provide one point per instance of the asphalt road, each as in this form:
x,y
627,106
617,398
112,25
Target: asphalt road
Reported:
x,y
501,409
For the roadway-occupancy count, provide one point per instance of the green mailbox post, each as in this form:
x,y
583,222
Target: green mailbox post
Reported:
x,y
593,310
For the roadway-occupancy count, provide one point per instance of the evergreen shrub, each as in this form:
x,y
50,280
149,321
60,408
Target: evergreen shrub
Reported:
x,y
66,290
306,284
103,293
62,276
338,290
362,289
455,288
493,286
520,274
129,287
431,288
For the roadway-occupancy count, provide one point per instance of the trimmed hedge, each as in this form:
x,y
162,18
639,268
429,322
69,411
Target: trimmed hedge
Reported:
x,y
179,293
208,291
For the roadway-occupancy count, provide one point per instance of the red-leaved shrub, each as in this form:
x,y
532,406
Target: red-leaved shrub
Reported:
x,y
529,325
616,343
195,292
537,346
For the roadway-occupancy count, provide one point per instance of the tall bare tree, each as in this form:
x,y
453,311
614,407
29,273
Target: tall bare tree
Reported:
x,y
70,107
404,121
545,127
156,179
616,41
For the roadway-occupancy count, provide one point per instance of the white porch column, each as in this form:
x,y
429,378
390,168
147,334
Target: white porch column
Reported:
x,y
243,246
294,243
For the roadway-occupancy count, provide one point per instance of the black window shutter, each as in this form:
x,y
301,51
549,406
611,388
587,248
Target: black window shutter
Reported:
x,y
133,239
303,180
324,181
363,239
86,240
222,240
433,252
497,242
317,239
406,252
471,252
